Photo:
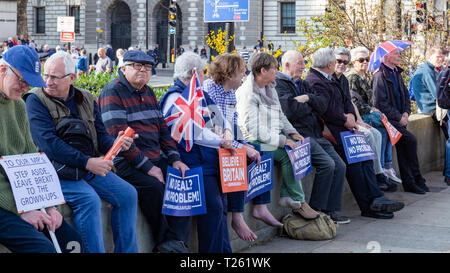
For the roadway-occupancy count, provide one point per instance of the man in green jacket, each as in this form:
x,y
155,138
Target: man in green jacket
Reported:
x,y
27,232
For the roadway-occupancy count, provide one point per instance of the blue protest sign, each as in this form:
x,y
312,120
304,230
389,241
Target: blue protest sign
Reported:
x,y
226,10
356,147
184,197
300,158
259,177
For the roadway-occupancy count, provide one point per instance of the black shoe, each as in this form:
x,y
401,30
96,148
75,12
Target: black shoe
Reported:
x,y
338,219
172,246
385,184
411,187
377,214
447,181
421,183
385,205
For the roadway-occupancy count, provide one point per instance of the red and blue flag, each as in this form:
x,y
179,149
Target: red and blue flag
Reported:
x,y
188,114
385,48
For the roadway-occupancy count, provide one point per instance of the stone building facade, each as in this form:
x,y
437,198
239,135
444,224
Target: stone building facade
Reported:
x,y
125,23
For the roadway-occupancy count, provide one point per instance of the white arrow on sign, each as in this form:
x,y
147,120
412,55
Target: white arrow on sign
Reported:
x,y
172,30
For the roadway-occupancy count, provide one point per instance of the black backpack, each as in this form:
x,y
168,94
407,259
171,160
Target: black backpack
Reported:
x,y
443,89
75,132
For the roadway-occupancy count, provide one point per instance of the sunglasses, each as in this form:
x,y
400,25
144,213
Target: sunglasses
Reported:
x,y
361,60
341,62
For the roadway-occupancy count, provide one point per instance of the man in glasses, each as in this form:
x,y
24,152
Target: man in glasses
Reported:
x,y
128,102
60,102
27,232
302,106
340,116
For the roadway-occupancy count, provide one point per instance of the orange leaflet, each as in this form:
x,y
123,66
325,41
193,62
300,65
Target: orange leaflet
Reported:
x,y
233,170
394,134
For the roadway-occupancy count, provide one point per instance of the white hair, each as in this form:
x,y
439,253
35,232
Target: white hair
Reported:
x,y
356,50
185,63
69,63
322,57
289,57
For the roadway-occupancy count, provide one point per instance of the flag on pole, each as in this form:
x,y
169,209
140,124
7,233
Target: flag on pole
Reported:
x,y
187,114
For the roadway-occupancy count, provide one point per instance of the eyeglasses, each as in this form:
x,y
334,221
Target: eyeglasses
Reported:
x,y
22,82
339,61
53,77
138,66
361,60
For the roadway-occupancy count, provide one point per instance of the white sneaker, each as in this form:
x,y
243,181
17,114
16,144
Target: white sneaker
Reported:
x,y
392,175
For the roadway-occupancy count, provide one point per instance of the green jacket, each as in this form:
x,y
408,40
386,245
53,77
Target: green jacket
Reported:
x,y
15,139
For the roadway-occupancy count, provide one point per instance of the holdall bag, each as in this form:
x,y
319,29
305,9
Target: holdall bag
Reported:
x,y
321,228
75,132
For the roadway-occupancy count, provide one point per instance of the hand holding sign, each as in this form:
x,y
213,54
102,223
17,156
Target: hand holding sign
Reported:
x,y
394,134
300,157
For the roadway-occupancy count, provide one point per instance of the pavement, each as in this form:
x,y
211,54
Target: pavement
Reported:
x,y
164,76
422,226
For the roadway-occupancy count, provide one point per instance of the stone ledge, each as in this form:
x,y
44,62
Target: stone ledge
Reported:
x,y
431,151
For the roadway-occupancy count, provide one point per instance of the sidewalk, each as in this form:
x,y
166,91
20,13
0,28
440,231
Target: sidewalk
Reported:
x,y
164,76
422,226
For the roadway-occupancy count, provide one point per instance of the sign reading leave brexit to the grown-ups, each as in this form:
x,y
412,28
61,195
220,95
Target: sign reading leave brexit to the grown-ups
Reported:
x,y
260,177
300,158
356,147
184,197
233,170
33,180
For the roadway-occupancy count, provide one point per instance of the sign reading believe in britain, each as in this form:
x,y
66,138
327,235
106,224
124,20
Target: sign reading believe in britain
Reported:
x,y
226,10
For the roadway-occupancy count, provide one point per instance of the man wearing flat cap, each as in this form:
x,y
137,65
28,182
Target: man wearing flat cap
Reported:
x,y
127,101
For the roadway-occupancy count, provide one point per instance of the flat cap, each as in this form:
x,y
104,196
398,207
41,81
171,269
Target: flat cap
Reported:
x,y
138,56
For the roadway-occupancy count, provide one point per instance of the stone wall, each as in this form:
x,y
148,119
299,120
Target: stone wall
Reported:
x,y
431,152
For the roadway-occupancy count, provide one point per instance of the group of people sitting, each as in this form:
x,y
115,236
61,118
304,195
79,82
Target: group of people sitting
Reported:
x,y
270,110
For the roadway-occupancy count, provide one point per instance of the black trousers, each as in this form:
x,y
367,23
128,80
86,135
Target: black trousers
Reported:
x,y
408,161
150,197
362,180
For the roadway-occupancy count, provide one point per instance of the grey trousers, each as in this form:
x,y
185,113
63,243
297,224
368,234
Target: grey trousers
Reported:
x,y
328,184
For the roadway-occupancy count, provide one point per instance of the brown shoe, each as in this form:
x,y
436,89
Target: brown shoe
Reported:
x,y
306,212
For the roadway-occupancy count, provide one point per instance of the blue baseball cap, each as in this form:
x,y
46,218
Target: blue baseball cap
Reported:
x,y
138,57
26,61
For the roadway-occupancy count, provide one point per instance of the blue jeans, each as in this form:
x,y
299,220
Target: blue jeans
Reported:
x,y
19,236
236,199
386,148
83,197
447,153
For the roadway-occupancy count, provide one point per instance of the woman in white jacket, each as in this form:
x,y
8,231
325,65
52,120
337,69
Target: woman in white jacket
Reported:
x,y
262,120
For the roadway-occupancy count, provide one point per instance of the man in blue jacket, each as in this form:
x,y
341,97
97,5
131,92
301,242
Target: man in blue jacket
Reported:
x,y
46,107
424,83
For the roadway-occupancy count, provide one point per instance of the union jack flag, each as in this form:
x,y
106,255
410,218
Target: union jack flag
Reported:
x,y
385,48
187,114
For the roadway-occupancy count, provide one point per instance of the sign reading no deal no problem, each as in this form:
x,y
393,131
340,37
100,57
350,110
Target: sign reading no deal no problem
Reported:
x,y
34,182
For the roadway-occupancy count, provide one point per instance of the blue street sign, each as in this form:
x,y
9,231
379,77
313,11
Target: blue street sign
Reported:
x,y
226,10
172,30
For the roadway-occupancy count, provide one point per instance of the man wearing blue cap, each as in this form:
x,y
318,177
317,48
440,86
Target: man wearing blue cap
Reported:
x,y
60,102
27,232
128,102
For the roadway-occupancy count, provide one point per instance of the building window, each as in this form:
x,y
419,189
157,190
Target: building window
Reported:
x,y
40,19
288,17
75,12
